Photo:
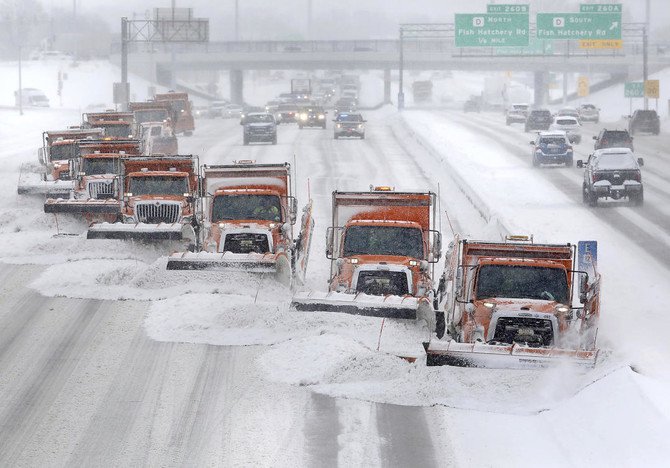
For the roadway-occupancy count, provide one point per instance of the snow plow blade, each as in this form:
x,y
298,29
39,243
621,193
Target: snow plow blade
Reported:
x,y
32,183
138,231
452,353
61,205
251,262
397,307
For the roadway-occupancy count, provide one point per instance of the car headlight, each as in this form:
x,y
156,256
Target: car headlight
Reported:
x,y
339,125
303,116
360,125
321,116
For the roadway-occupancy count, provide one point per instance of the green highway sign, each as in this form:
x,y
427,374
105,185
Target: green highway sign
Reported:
x,y
579,26
507,8
633,89
491,30
535,47
600,8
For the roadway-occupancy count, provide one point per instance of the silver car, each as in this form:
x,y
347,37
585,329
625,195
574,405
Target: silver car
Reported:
x,y
571,127
589,113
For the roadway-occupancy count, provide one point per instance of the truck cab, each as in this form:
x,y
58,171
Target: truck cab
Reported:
x,y
181,111
383,242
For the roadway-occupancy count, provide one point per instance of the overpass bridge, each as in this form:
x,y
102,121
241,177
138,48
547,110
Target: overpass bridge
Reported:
x,y
155,62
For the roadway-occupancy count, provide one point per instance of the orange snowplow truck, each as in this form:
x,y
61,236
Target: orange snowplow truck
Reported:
x,y
150,111
94,173
248,217
180,111
58,147
383,246
510,304
115,124
158,200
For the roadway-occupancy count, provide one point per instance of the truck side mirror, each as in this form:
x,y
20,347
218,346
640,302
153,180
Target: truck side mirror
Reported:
x,y
640,161
594,137
437,246
580,163
293,210
583,288
329,242
40,156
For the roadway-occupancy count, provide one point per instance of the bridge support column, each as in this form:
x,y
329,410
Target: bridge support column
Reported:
x,y
387,86
237,86
540,83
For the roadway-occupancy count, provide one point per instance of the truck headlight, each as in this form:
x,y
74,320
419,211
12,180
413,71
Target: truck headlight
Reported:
x,y
127,219
187,219
303,116
321,116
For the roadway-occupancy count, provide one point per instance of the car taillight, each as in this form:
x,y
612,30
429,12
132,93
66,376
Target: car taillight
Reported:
x,y
637,176
603,142
595,177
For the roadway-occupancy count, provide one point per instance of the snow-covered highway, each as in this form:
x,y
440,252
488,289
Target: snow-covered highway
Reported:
x,y
107,359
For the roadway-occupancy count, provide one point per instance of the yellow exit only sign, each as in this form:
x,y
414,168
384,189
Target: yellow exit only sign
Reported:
x,y
600,44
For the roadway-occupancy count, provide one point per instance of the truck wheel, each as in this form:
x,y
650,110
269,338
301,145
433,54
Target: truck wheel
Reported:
x,y
585,194
323,126
637,199
569,163
592,198
507,122
274,140
335,136
300,127
440,325
245,141
363,136
536,163
189,133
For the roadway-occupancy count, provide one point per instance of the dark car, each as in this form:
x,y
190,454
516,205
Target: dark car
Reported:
x,y
612,173
259,126
613,139
312,116
345,105
539,119
287,112
552,148
644,121
472,105
349,125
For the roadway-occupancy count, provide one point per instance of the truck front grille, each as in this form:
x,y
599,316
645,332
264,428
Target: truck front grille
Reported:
x,y
154,213
530,331
381,283
101,190
246,242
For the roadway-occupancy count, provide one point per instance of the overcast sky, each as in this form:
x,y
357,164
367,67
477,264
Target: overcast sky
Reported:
x,y
350,18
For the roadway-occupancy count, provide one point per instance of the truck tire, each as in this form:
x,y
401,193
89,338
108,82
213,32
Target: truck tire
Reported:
x,y
536,163
440,325
335,136
274,140
363,136
300,127
245,141
569,163
637,199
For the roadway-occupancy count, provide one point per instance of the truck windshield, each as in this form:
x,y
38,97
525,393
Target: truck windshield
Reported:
x,y
383,240
69,151
99,166
158,185
522,282
239,207
116,130
150,115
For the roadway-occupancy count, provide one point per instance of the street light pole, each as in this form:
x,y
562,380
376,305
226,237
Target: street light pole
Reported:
x,y
20,86
237,20
401,66
645,67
